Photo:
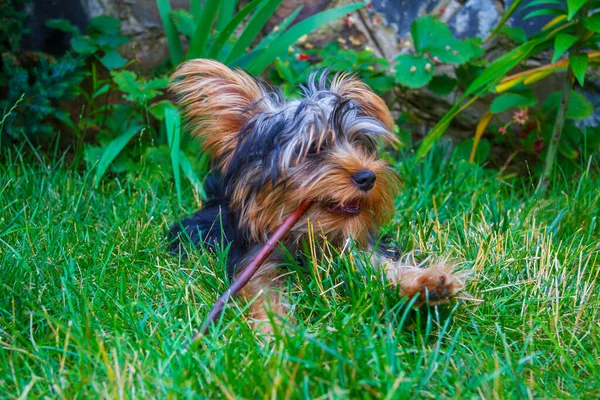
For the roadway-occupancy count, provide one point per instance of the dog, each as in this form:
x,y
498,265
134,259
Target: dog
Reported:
x,y
270,154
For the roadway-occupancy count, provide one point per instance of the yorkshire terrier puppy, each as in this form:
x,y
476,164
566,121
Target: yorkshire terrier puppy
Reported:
x,y
270,154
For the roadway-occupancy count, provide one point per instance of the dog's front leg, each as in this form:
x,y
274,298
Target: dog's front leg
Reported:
x,y
433,283
265,292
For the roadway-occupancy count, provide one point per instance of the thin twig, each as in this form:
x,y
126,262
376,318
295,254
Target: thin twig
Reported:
x,y
251,269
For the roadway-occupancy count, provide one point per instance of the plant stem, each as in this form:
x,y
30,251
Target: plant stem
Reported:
x,y
556,133
562,113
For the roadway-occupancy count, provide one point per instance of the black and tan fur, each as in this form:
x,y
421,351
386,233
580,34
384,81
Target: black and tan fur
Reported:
x,y
270,154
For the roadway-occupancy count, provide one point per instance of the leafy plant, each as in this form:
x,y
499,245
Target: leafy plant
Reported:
x,y
572,31
34,85
224,45
433,44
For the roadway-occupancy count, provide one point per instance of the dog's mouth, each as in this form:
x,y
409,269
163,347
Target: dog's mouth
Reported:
x,y
348,208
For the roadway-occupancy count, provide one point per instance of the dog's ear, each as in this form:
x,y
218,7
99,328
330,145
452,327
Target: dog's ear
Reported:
x,y
351,88
217,102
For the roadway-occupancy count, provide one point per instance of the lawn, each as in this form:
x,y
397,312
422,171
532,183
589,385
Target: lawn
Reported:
x,y
91,305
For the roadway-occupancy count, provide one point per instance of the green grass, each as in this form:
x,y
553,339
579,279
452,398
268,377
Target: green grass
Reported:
x,y
92,306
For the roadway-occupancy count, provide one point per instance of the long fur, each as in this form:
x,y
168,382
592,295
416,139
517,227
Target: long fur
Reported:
x,y
270,154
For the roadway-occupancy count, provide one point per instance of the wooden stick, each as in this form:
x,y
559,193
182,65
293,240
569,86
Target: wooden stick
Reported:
x,y
251,269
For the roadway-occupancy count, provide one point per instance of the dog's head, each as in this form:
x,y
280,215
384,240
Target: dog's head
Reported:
x,y
276,153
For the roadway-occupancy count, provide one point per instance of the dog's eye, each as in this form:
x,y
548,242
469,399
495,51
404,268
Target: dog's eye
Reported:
x,y
367,143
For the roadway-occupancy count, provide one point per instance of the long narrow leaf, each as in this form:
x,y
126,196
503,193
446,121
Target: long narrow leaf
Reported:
x,y
204,25
489,78
226,33
173,125
504,18
113,149
171,33
282,27
246,59
188,171
280,45
225,13
195,9
255,25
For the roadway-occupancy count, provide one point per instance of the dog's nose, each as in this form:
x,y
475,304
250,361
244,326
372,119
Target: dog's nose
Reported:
x,y
364,179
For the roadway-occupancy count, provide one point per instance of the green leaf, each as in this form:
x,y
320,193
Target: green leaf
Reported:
x,y
282,27
105,24
511,100
280,45
567,150
433,36
562,43
479,86
543,2
442,85
225,13
158,109
544,11
592,23
413,71
578,64
113,60
203,29
173,125
83,45
253,29
573,6
578,108
62,25
171,32
230,28
188,171
184,21
517,35
113,149
195,8
463,150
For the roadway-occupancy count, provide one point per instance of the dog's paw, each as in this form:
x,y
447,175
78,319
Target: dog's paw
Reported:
x,y
432,285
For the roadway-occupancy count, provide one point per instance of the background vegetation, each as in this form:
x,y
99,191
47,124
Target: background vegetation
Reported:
x,y
95,166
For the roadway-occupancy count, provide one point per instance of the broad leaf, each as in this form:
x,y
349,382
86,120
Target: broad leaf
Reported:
x,y
442,85
113,60
573,6
413,71
562,43
433,36
511,100
578,108
592,23
578,64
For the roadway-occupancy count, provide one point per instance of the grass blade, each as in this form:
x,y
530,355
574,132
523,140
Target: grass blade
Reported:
x,y
280,45
204,23
255,25
164,8
226,33
113,149
173,125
